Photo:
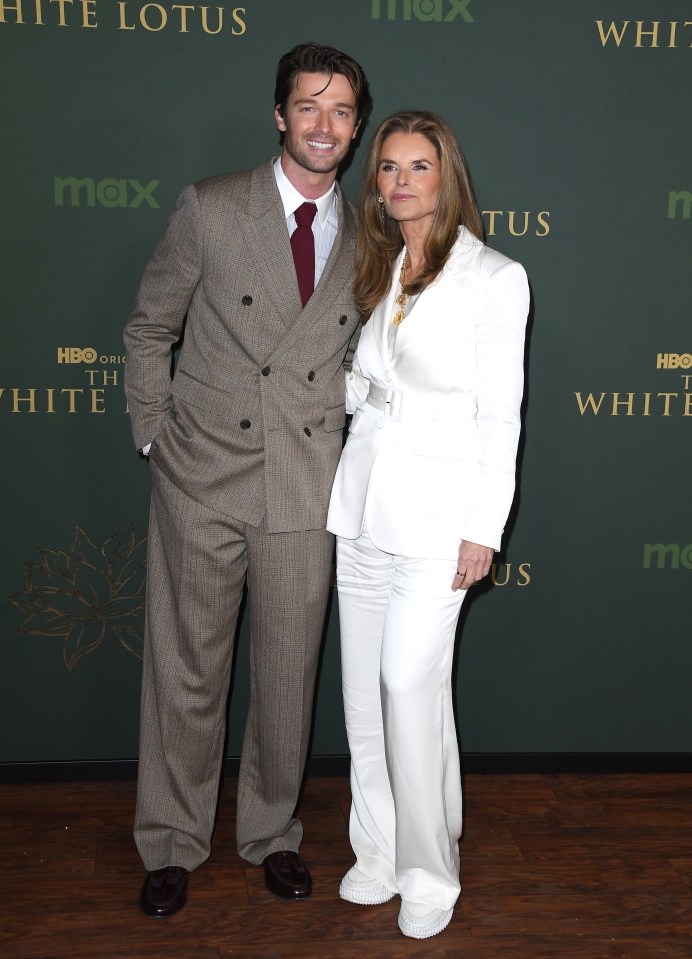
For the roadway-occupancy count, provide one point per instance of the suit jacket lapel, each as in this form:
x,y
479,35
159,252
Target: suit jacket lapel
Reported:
x,y
267,237
461,258
337,273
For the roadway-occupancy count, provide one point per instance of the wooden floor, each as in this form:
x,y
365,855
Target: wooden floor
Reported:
x,y
553,867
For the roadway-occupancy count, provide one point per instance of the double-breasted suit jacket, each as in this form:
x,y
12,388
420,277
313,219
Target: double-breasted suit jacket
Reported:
x,y
430,458
251,424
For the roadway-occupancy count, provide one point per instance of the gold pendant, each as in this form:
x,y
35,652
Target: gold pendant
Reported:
x,y
402,298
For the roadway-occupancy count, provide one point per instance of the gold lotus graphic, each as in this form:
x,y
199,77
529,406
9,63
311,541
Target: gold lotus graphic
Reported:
x,y
87,595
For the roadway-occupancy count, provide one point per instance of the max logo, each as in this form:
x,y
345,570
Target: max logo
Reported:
x,y
667,556
679,203
440,10
69,191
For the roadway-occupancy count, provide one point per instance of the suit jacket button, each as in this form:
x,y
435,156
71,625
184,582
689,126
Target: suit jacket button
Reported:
x,y
342,320
247,300
265,371
311,375
307,431
245,424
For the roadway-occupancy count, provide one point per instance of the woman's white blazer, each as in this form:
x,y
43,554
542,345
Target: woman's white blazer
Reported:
x,y
431,453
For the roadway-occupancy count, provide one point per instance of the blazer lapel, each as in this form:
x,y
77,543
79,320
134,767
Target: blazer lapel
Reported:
x,y
267,238
337,273
461,258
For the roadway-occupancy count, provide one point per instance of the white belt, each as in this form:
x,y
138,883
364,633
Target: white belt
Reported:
x,y
387,400
400,406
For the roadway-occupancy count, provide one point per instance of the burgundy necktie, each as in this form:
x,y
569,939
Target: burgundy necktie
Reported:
x,y
303,246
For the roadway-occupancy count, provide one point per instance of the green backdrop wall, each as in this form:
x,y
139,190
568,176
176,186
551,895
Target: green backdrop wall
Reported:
x,y
574,115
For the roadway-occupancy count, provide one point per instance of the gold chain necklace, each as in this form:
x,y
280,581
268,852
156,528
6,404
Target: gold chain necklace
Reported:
x,y
402,298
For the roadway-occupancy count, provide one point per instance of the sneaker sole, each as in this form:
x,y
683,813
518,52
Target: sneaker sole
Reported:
x,y
414,931
366,896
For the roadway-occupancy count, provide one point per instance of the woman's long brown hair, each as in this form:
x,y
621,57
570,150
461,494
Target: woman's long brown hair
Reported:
x,y
379,238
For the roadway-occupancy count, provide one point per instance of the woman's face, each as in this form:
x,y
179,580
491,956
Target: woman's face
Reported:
x,y
408,177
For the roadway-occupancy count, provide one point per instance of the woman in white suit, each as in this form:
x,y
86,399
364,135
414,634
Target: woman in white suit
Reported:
x,y
420,499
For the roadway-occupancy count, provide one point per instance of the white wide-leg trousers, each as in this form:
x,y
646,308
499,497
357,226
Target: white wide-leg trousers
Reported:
x,y
398,620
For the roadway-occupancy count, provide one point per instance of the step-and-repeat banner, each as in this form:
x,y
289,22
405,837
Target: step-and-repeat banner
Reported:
x,y
574,116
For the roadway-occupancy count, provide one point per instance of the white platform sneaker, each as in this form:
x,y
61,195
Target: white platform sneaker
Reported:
x,y
420,921
357,887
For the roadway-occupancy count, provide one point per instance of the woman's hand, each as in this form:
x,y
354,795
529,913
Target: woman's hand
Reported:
x,y
473,564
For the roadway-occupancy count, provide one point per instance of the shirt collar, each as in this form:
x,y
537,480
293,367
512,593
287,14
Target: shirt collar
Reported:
x,y
292,199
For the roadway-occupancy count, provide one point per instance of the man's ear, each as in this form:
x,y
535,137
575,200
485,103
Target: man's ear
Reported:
x,y
280,122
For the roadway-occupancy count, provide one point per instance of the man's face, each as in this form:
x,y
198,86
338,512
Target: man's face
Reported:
x,y
319,122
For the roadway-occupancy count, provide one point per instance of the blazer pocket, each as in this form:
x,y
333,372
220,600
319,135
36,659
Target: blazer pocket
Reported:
x,y
177,432
335,418
447,441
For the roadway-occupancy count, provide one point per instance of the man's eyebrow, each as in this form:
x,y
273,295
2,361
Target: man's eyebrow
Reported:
x,y
313,99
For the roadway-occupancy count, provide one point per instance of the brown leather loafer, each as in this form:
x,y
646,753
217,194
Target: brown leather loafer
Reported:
x,y
286,875
164,891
